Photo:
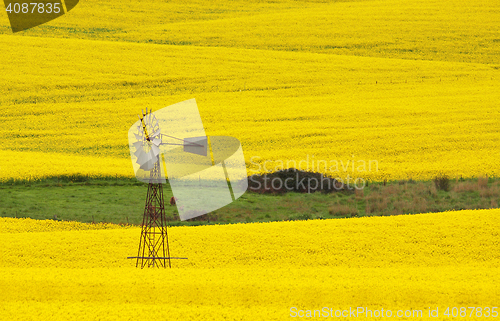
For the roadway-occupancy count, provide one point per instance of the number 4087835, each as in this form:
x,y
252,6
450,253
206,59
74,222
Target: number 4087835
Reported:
x,y
33,7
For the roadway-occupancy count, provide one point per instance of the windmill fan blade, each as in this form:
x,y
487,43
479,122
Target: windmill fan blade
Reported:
x,y
156,141
151,156
156,133
150,163
147,166
142,159
155,149
138,137
138,152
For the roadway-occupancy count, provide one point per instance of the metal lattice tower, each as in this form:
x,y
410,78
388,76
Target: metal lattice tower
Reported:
x,y
146,154
153,246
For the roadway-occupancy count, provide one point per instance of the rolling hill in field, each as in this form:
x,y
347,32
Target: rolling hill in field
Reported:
x,y
410,86
380,90
73,271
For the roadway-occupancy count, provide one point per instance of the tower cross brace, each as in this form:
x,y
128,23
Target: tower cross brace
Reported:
x,y
153,246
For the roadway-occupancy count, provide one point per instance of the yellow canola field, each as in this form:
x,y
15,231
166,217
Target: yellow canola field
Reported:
x,y
408,87
59,270
444,30
371,118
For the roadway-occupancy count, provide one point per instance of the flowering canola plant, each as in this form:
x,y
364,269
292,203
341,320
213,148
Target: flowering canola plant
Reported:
x,y
381,89
410,87
261,271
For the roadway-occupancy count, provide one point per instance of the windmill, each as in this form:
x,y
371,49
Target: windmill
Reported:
x,y
205,173
153,246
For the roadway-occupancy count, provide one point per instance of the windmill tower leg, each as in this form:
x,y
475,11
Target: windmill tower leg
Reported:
x,y
153,245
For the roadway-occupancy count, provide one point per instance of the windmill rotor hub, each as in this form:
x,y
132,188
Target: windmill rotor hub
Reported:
x,y
148,141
